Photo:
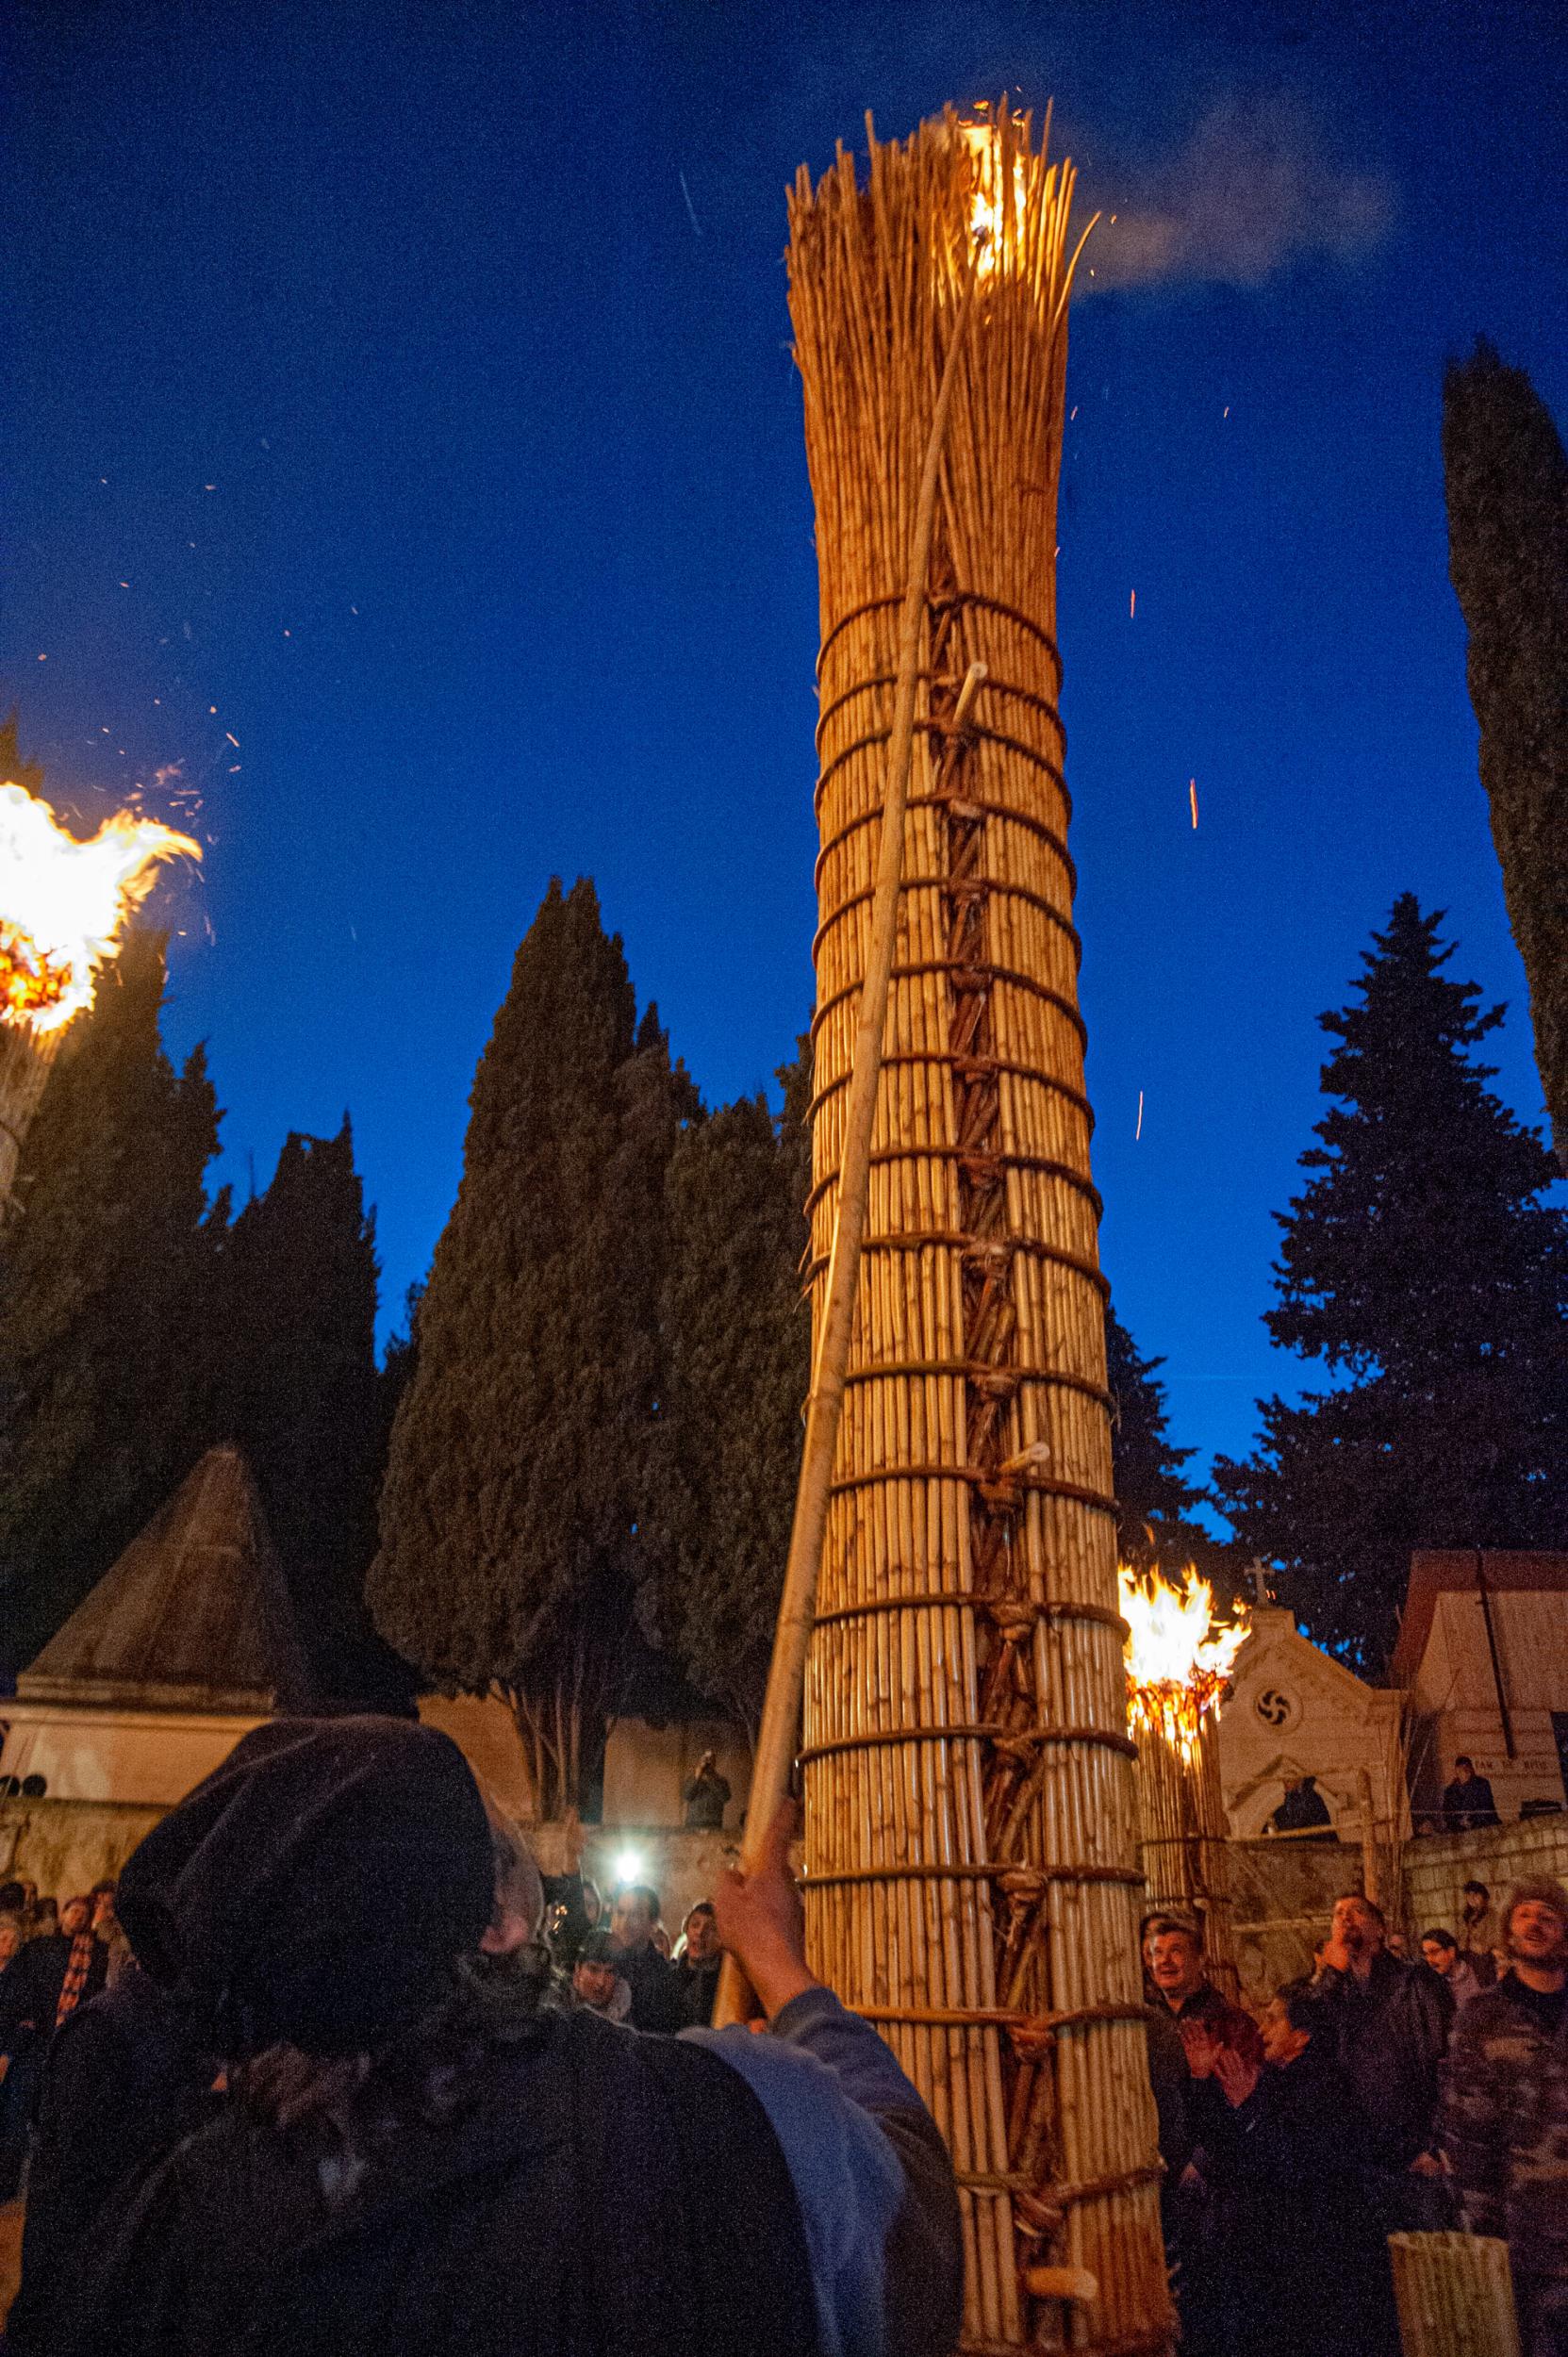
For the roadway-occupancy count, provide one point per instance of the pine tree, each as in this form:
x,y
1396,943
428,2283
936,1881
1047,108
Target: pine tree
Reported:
x,y
305,1394
1155,1501
107,1301
739,1340
510,1553
1421,1266
1507,479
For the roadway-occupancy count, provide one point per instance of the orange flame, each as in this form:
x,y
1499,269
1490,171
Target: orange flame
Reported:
x,y
1178,1658
988,205
63,902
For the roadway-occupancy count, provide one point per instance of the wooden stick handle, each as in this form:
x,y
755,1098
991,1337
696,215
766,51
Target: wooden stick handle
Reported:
x,y
780,1710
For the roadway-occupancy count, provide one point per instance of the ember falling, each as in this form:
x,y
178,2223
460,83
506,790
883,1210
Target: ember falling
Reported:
x,y
64,903
1179,1660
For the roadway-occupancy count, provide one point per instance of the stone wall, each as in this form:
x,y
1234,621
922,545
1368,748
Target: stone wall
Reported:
x,y
1283,1892
66,1846
1438,1865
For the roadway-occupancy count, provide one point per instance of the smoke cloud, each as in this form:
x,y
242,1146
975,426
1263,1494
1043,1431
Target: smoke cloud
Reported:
x,y
1253,192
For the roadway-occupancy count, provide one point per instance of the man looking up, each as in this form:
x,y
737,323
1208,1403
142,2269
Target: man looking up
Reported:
x,y
656,1990
1388,2023
1197,2214
1176,1967
1505,2111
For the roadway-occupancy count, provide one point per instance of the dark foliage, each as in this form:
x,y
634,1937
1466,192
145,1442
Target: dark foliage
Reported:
x,y
510,1551
737,1338
1505,473
108,1290
1421,1266
306,1402
1155,1520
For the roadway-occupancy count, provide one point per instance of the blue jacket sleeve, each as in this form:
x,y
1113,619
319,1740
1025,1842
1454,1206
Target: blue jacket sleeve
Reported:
x,y
870,2173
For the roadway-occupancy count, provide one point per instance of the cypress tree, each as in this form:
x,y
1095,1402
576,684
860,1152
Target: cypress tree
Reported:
x,y
305,1394
1505,475
510,1552
106,1300
1422,1267
739,1340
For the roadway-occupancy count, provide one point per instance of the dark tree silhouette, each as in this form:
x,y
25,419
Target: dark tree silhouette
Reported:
x,y
1422,1267
305,1401
1507,478
1156,1522
510,1550
737,1337
107,1293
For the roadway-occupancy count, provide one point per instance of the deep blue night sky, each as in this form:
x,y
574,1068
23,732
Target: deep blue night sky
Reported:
x,y
412,386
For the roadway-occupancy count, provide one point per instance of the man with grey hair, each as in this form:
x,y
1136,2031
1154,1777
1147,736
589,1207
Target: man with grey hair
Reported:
x,y
1505,2111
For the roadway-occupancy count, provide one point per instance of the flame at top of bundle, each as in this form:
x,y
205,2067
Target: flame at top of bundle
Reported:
x,y
999,196
1177,1657
63,902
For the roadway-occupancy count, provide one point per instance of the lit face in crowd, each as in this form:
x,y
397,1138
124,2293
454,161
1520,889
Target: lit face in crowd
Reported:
x,y
701,1934
630,1922
1176,1964
1537,1934
1357,1926
595,1985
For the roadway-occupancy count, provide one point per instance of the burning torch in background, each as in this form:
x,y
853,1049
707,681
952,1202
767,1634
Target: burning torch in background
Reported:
x,y
1179,1659
63,907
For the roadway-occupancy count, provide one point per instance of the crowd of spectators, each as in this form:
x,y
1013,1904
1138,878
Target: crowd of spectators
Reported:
x,y
1378,2093
359,2088
1375,2094
53,1958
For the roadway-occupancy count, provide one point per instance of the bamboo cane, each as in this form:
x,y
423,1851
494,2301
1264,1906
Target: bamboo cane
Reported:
x,y
781,1712
1370,1879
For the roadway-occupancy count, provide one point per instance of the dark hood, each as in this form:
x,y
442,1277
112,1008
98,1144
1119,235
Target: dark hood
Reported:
x,y
317,1887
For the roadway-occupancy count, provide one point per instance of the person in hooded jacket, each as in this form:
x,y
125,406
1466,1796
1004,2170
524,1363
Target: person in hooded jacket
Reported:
x,y
417,2152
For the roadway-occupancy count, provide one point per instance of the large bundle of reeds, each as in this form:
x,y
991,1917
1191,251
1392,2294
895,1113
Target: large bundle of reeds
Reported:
x,y
970,1818
1183,1838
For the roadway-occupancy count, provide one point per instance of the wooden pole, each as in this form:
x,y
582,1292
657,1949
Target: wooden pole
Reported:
x,y
780,1709
1370,1878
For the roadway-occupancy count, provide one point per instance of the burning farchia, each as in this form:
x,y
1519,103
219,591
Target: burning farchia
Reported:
x,y
63,903
1178,1658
